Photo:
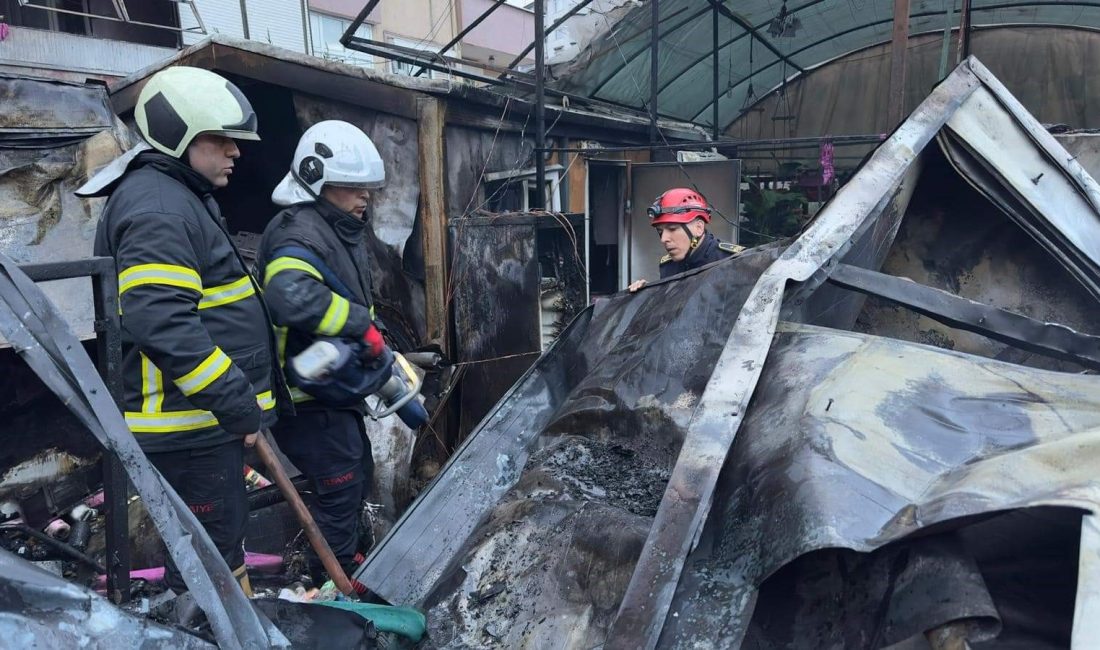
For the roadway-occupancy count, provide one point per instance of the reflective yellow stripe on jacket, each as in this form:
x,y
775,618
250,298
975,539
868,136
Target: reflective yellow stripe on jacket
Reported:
x,y
175,421
204,374
152,386
227,293
170,274
336,316
280,264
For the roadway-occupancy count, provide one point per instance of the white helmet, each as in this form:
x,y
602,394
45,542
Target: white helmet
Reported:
x,y
181,102
330,152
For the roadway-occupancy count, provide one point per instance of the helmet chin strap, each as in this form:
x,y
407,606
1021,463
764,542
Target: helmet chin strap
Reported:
x,y
695,241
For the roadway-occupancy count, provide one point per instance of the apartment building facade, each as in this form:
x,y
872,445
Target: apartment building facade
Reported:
x,y
106,39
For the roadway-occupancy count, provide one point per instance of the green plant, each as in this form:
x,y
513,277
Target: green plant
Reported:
x,y
770,214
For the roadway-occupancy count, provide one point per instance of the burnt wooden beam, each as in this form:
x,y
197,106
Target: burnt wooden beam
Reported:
x,y
898,50
1017,330
433,216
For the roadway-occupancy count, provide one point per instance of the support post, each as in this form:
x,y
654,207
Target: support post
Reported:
x,y
898,50
964,33
244,19
540,106
115,484
654,40
714,64
433,217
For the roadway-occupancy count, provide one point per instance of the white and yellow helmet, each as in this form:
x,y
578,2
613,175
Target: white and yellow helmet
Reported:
x,y
332,152
181,102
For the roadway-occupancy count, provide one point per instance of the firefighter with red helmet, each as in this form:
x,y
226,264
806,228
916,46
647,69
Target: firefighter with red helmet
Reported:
x,y
680,217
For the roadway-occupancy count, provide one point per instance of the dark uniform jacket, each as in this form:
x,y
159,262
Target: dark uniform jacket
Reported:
x,y
198,348
709,250
317,279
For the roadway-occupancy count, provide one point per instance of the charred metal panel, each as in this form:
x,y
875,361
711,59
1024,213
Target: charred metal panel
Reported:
x,y
41,610
52,139
954,239
471,153
36,110
495,283
625,377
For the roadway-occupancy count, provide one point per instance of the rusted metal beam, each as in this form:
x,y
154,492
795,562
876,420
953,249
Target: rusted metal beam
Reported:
x,y
899,48
433,217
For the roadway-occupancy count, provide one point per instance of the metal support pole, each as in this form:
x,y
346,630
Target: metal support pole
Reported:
x,y
540,108
898,50
116,487
244,19
964,33
654,40
714,61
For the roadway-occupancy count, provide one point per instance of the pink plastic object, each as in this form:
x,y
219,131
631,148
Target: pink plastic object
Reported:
x,y
261,562
4,31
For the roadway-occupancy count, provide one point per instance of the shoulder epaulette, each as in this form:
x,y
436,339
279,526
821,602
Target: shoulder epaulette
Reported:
x,y
730,248
665,260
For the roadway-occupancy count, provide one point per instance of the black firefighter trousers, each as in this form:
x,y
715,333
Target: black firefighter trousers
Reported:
x,y
331,448
210,481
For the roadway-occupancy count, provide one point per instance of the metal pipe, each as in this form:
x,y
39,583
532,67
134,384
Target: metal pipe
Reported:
x,y
803,142
654,41
714,60
540,106
62,548
307,38
244,19
316,539
465,30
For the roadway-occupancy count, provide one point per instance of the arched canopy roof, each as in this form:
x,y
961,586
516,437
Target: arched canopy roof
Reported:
x,y
616,66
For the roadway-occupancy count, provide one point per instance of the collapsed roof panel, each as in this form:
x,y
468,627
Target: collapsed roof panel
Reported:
x,y
655,388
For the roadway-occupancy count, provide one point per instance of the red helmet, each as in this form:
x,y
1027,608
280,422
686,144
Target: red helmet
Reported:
x,y
678,205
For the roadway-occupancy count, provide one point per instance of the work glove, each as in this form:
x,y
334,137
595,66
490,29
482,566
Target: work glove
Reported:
x,y
374,342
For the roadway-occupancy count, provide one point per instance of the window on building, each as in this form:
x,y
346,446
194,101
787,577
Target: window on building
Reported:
x,y
325,32
409,69
79,17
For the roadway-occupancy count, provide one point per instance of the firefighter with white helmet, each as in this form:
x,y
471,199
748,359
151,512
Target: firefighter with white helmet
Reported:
x,y
199,365
317,278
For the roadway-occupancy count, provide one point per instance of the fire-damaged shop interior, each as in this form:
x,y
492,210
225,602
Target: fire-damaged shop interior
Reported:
x,y
873,422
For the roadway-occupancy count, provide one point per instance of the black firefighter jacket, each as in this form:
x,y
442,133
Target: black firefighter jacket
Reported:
x,y
316,277
198,348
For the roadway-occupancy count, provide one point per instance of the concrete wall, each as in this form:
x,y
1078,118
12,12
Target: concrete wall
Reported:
x,y
508,29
